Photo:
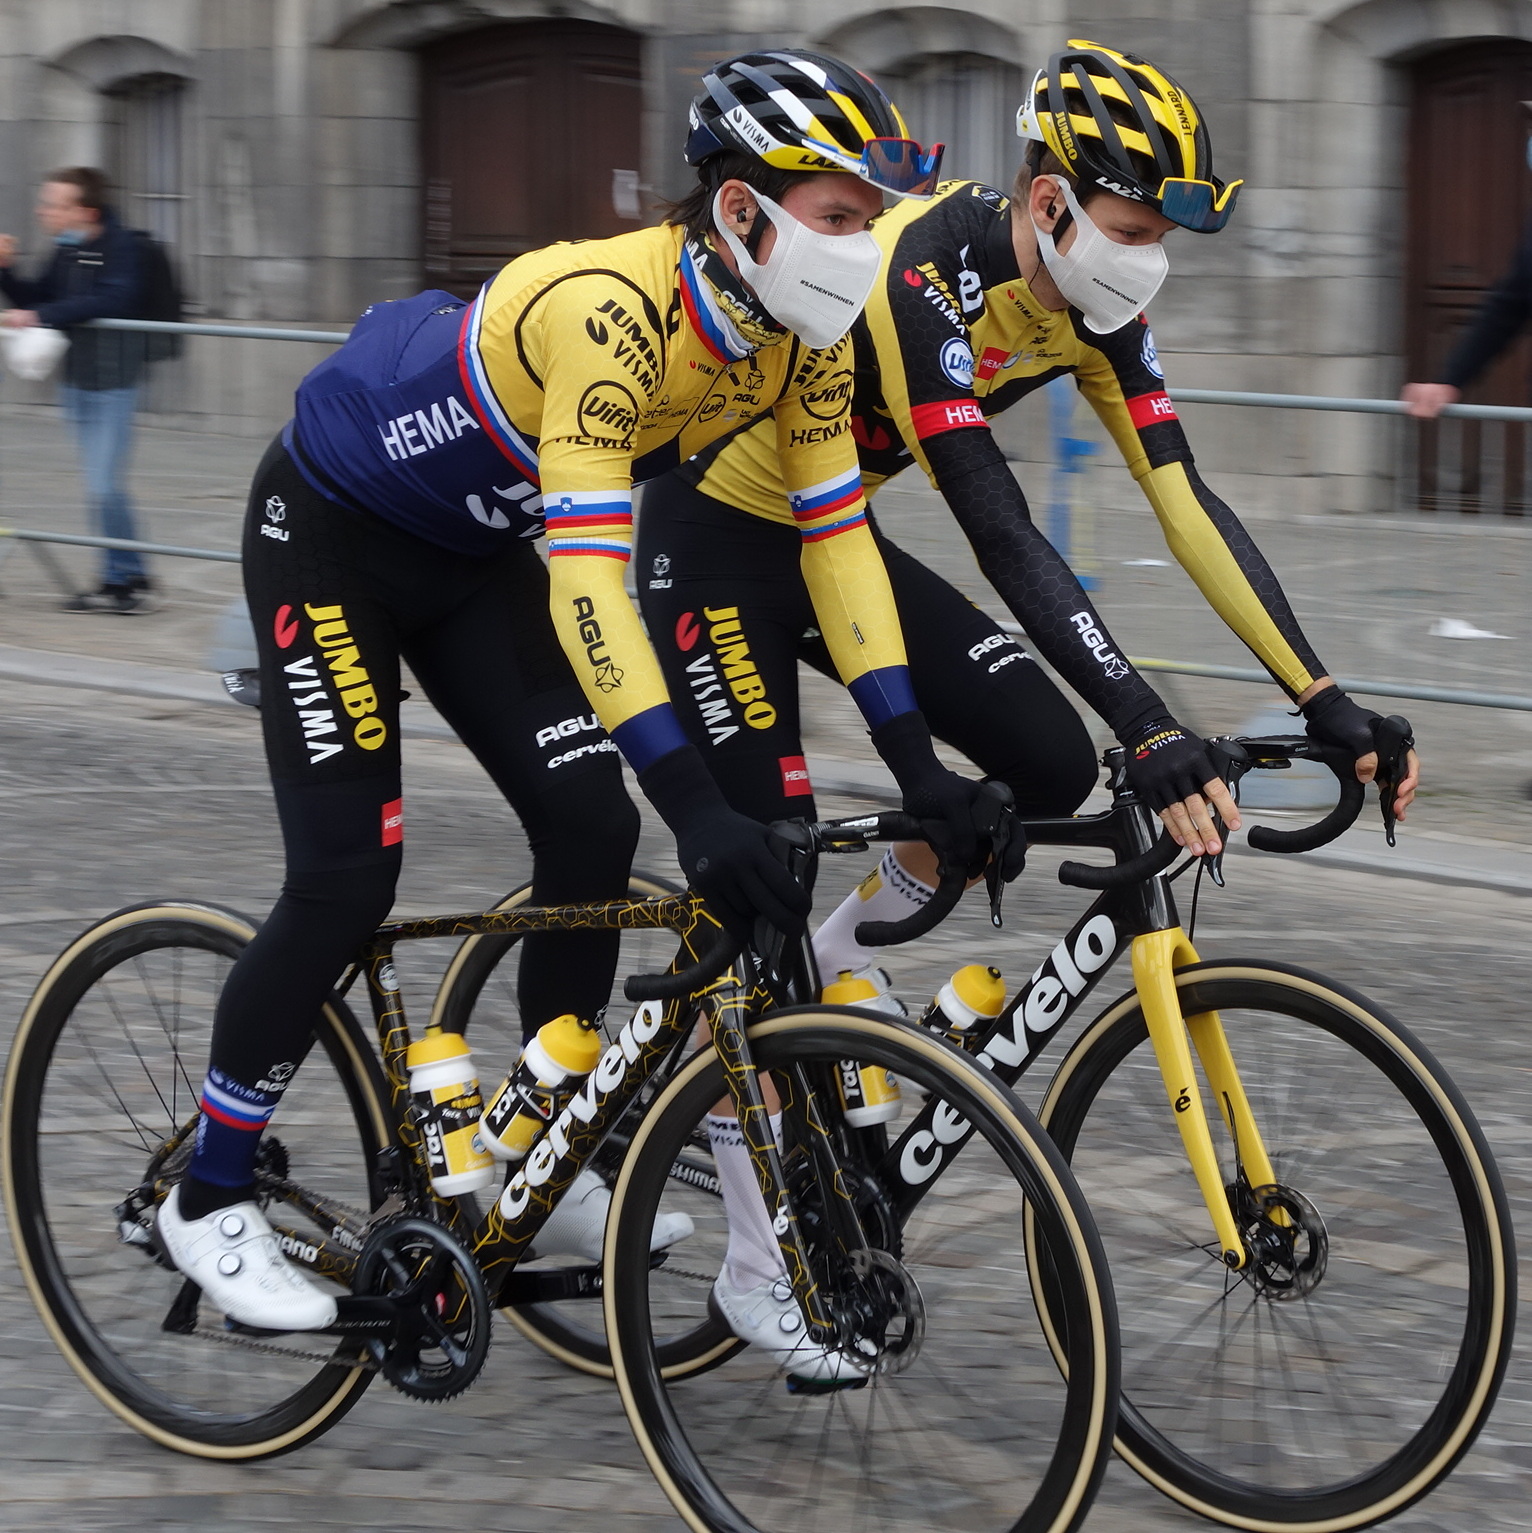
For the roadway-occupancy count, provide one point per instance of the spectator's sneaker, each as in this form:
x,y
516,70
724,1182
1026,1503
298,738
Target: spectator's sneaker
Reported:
x,y
232,1255
577,1225
125,599
768,1317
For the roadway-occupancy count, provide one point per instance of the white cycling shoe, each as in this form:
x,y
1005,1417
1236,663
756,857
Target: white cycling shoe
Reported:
x,y
577,1225
232,1255
768,1317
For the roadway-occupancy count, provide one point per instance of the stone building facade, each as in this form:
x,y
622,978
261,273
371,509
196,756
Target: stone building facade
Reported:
x,y
305,157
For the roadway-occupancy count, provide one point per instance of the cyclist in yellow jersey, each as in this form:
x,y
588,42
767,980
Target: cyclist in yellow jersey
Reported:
x,y
981,300
393,520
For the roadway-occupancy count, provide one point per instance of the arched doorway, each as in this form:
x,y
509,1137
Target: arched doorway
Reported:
x,y
1470,194
530,133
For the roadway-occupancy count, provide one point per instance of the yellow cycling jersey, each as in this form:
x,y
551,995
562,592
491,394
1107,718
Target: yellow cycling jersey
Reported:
x,y
951,336
598,364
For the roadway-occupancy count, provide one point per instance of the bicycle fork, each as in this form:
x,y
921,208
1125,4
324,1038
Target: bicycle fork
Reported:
x,y
1156,957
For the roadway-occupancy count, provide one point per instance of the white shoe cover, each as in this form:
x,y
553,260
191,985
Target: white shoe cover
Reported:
x,y
768,1317
577,1225
232,1255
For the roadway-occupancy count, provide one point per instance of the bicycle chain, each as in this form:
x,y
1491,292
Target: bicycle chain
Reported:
x,y
268,1349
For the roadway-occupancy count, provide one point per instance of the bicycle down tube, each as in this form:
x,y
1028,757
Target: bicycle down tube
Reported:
x,y
1141,917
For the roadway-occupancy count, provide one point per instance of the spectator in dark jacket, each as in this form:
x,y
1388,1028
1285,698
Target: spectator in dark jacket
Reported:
x,y
1500,319
95,272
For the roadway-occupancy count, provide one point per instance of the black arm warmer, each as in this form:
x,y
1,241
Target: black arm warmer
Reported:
x,y
1032,578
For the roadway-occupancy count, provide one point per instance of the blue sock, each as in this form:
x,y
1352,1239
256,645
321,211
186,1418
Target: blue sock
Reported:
x,y
229,1133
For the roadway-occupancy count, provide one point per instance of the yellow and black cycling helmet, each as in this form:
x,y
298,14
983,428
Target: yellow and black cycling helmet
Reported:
x,y
800,111
1115,121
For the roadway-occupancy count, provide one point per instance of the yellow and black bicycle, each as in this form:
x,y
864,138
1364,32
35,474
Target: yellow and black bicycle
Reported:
x,y
1308,1236
962,1409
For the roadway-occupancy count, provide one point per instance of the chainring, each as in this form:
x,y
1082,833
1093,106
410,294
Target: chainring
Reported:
x,y
444,1309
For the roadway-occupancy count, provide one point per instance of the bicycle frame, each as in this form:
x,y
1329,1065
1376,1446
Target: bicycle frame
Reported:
x,y
651,1036
1141,917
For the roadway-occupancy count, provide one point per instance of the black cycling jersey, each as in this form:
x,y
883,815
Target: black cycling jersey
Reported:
x,y
723,597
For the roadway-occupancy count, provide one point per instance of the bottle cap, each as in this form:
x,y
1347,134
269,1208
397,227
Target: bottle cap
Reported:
x,y
848,990
572,1043
434,1048
979,988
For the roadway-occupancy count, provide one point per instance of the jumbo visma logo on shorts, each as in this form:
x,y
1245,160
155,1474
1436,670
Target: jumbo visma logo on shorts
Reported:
x,y
314,693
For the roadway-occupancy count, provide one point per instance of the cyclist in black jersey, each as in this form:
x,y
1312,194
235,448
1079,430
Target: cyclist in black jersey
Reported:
x,y
982,300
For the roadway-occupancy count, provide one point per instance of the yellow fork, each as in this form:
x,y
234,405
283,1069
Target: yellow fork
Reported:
x,y
1156,957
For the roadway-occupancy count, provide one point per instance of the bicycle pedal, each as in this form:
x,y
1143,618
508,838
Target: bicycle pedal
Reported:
x,y
797,1386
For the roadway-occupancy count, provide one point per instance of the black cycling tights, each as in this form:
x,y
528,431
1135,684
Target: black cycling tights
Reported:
x,y
710,577
337,598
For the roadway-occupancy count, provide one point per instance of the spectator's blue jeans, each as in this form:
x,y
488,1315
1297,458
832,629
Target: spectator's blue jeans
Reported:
x,y
103,424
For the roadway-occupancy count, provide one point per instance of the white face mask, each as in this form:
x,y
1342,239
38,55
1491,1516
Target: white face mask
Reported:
x,y
815,284
1107,282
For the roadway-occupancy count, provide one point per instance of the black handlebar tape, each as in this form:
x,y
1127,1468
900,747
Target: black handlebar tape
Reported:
x,y
1081,875
1353,795
930,915
667,987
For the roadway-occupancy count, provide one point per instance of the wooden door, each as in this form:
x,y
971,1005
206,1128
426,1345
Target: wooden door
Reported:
x,y
530,134
1470,194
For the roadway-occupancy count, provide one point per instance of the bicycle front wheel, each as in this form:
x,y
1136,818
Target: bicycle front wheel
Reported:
x,y
963,1421
104,1074
1348,1368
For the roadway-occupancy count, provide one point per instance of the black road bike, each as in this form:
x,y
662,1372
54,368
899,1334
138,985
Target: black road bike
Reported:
x,y
967,1408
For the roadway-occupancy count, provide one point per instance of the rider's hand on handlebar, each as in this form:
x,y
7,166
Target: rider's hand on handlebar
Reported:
x,y
728,858
1171,770
942,800
1336,719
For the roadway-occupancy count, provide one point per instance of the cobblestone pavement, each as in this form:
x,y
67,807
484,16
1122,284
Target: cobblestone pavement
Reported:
x,y
106,801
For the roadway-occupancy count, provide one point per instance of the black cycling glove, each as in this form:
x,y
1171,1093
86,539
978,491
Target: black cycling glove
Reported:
x,y
1336,719
727,857
942,800
1166,763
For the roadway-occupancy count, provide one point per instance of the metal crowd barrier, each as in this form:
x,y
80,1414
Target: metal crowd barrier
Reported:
x,y
1367,687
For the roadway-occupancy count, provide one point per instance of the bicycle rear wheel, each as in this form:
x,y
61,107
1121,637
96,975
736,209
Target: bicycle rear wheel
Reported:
x,y
1339,1378
477,997
104,1071
965,1423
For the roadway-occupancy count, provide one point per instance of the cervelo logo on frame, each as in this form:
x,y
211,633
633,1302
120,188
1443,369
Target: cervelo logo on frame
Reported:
x,y
1031,1020
553,1145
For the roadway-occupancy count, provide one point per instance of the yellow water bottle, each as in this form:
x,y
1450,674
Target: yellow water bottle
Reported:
x,y
444,1092
974,994
549,1072
869,1093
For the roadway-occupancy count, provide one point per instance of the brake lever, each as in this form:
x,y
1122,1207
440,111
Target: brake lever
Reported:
x,y
998,822
992,877
1395,741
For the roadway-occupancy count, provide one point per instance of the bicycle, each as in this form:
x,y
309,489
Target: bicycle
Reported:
x,y
1317,1305
926,1306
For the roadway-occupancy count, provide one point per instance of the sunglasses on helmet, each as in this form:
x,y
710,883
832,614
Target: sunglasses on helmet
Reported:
x,y
1202,206
901,165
